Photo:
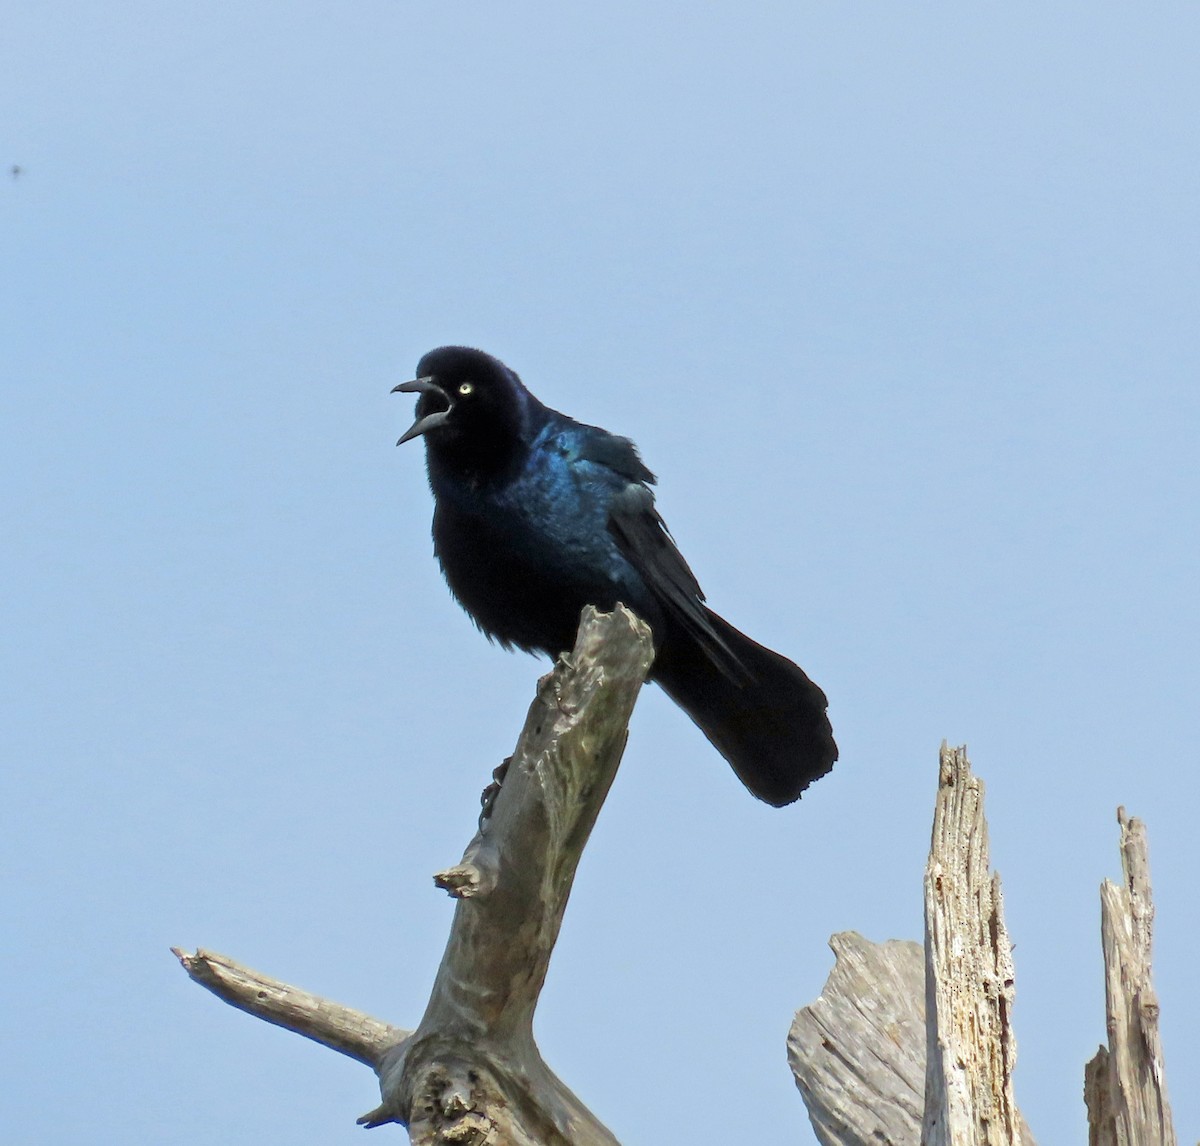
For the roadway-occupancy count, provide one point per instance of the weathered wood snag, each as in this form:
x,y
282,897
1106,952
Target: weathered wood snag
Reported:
x,y
1125,1086
901,1048
342,1029
969,978
858,1052
906,1044
470,1073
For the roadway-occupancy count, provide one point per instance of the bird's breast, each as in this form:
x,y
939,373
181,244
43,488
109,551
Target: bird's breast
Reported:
x,y
524,559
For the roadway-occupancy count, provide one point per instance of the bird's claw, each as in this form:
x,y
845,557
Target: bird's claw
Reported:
x,y
487,800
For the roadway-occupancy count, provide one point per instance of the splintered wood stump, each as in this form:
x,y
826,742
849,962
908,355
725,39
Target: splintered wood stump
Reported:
x,y
470,1074
858,1052
1125,1084
969,977
906,1046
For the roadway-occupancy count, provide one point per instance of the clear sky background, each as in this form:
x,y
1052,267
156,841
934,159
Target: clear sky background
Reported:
x,y
900,302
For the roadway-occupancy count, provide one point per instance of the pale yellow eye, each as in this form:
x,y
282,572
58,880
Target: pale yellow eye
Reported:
x,y
466,388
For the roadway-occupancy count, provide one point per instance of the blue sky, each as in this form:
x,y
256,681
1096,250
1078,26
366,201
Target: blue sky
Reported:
x,y
901,305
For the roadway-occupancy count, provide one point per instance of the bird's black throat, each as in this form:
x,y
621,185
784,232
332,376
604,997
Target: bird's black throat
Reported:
x,y
482,451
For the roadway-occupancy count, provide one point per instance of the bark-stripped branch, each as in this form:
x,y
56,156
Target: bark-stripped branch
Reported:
x,y
969,977
1125,1085
470,1073
904,1048
340,1028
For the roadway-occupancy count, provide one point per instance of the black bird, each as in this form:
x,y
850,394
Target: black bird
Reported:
x,y
536,515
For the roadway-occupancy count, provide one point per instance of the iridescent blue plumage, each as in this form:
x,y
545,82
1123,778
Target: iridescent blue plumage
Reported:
x,y
537,515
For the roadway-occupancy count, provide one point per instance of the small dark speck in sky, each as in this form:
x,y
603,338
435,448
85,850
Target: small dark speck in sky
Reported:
x,y
15,171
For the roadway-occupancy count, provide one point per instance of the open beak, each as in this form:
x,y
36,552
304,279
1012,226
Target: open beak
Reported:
x,y
430,421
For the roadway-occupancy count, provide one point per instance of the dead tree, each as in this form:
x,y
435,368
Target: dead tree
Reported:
x,y
907,1044
470,1073
1125,1084
911,1045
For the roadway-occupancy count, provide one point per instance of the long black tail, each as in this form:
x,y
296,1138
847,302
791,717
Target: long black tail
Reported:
x,y
772,727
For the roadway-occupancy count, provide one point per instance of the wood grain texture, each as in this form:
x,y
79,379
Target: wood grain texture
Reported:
x,y
858,1052
1125,1085
911,1045
971,1047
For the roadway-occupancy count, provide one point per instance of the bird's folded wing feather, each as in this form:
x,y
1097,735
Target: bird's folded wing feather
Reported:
x,y
643,538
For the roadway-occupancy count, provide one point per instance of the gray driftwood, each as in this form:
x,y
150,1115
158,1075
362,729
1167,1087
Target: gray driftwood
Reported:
x,y
470,1073
971,1046
858,1052
904,1048
1124,1085
340,1028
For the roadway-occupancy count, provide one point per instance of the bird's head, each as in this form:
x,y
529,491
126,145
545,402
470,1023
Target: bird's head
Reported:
x,y
470,403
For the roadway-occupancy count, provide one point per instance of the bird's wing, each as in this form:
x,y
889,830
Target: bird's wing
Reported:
x,y
642,536
615,453
644,541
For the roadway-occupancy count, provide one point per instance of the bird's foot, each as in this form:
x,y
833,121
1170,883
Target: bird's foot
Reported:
x,y
487,801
